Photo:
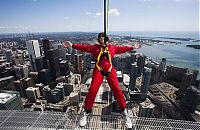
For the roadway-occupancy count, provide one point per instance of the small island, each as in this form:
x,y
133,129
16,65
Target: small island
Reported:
x,y
194,46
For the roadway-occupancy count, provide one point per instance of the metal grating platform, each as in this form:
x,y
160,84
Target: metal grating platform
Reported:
x,y
21,120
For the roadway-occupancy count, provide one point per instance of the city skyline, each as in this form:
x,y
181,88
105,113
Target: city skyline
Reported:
x,y
22,16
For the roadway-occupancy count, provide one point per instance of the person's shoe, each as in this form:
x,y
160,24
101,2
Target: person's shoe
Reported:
x,y
83,118
127,119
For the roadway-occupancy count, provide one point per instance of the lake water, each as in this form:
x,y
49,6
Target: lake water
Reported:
x,y
176,54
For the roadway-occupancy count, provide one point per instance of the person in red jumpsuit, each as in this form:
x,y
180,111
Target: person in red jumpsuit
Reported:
x,y
103,55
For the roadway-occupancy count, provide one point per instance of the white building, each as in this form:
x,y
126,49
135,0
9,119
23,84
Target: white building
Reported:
x,y
33,49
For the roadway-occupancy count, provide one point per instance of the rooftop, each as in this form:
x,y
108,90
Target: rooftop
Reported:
x,y
4,97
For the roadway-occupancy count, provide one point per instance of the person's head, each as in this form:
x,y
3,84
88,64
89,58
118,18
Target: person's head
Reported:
x,y
102,37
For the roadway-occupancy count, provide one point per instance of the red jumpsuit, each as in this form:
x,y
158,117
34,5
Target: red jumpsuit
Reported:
x,y
97,77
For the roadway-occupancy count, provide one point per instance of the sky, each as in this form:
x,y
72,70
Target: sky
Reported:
x,y
18,16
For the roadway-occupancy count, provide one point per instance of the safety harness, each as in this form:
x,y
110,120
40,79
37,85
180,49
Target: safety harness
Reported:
x,y
101,53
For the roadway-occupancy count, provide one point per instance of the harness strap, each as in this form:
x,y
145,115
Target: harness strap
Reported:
x,y
98,60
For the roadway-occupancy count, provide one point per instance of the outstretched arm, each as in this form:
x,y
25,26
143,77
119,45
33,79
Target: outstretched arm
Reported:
x,y
123,49
84,48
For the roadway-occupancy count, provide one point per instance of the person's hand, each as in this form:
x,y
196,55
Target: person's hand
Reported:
x,y
137,46
67,44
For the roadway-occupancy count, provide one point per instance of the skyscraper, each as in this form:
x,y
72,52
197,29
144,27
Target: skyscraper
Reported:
x,y
47,94
7,83
54,63
32,94
78,63
44,76
8,54
145,82
64,68
41,63
133,76
140,63
33,50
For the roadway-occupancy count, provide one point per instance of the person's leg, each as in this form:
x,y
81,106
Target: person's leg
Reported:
x,y
97,79
119,96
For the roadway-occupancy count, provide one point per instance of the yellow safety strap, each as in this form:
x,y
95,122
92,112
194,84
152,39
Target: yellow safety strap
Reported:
x,y
98,59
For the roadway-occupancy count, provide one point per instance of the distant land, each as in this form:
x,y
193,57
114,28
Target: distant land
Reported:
x,y
194,46
180,39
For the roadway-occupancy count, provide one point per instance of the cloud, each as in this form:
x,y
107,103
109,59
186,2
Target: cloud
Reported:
x,y
88,13
99,14
66,17
114,12
2,27
111,12
14,27
34,0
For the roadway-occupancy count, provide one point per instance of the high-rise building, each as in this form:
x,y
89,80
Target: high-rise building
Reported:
x,y
44,76
41,63
55,96
140,63
10,100
54,63
145,82
47,45
40,86
8,54
64,68
34,76
29,82
133,76
60,87
74,51
21,71
33,50
19,87
84,63
62,51
78,63
7,83
32,94
47,94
